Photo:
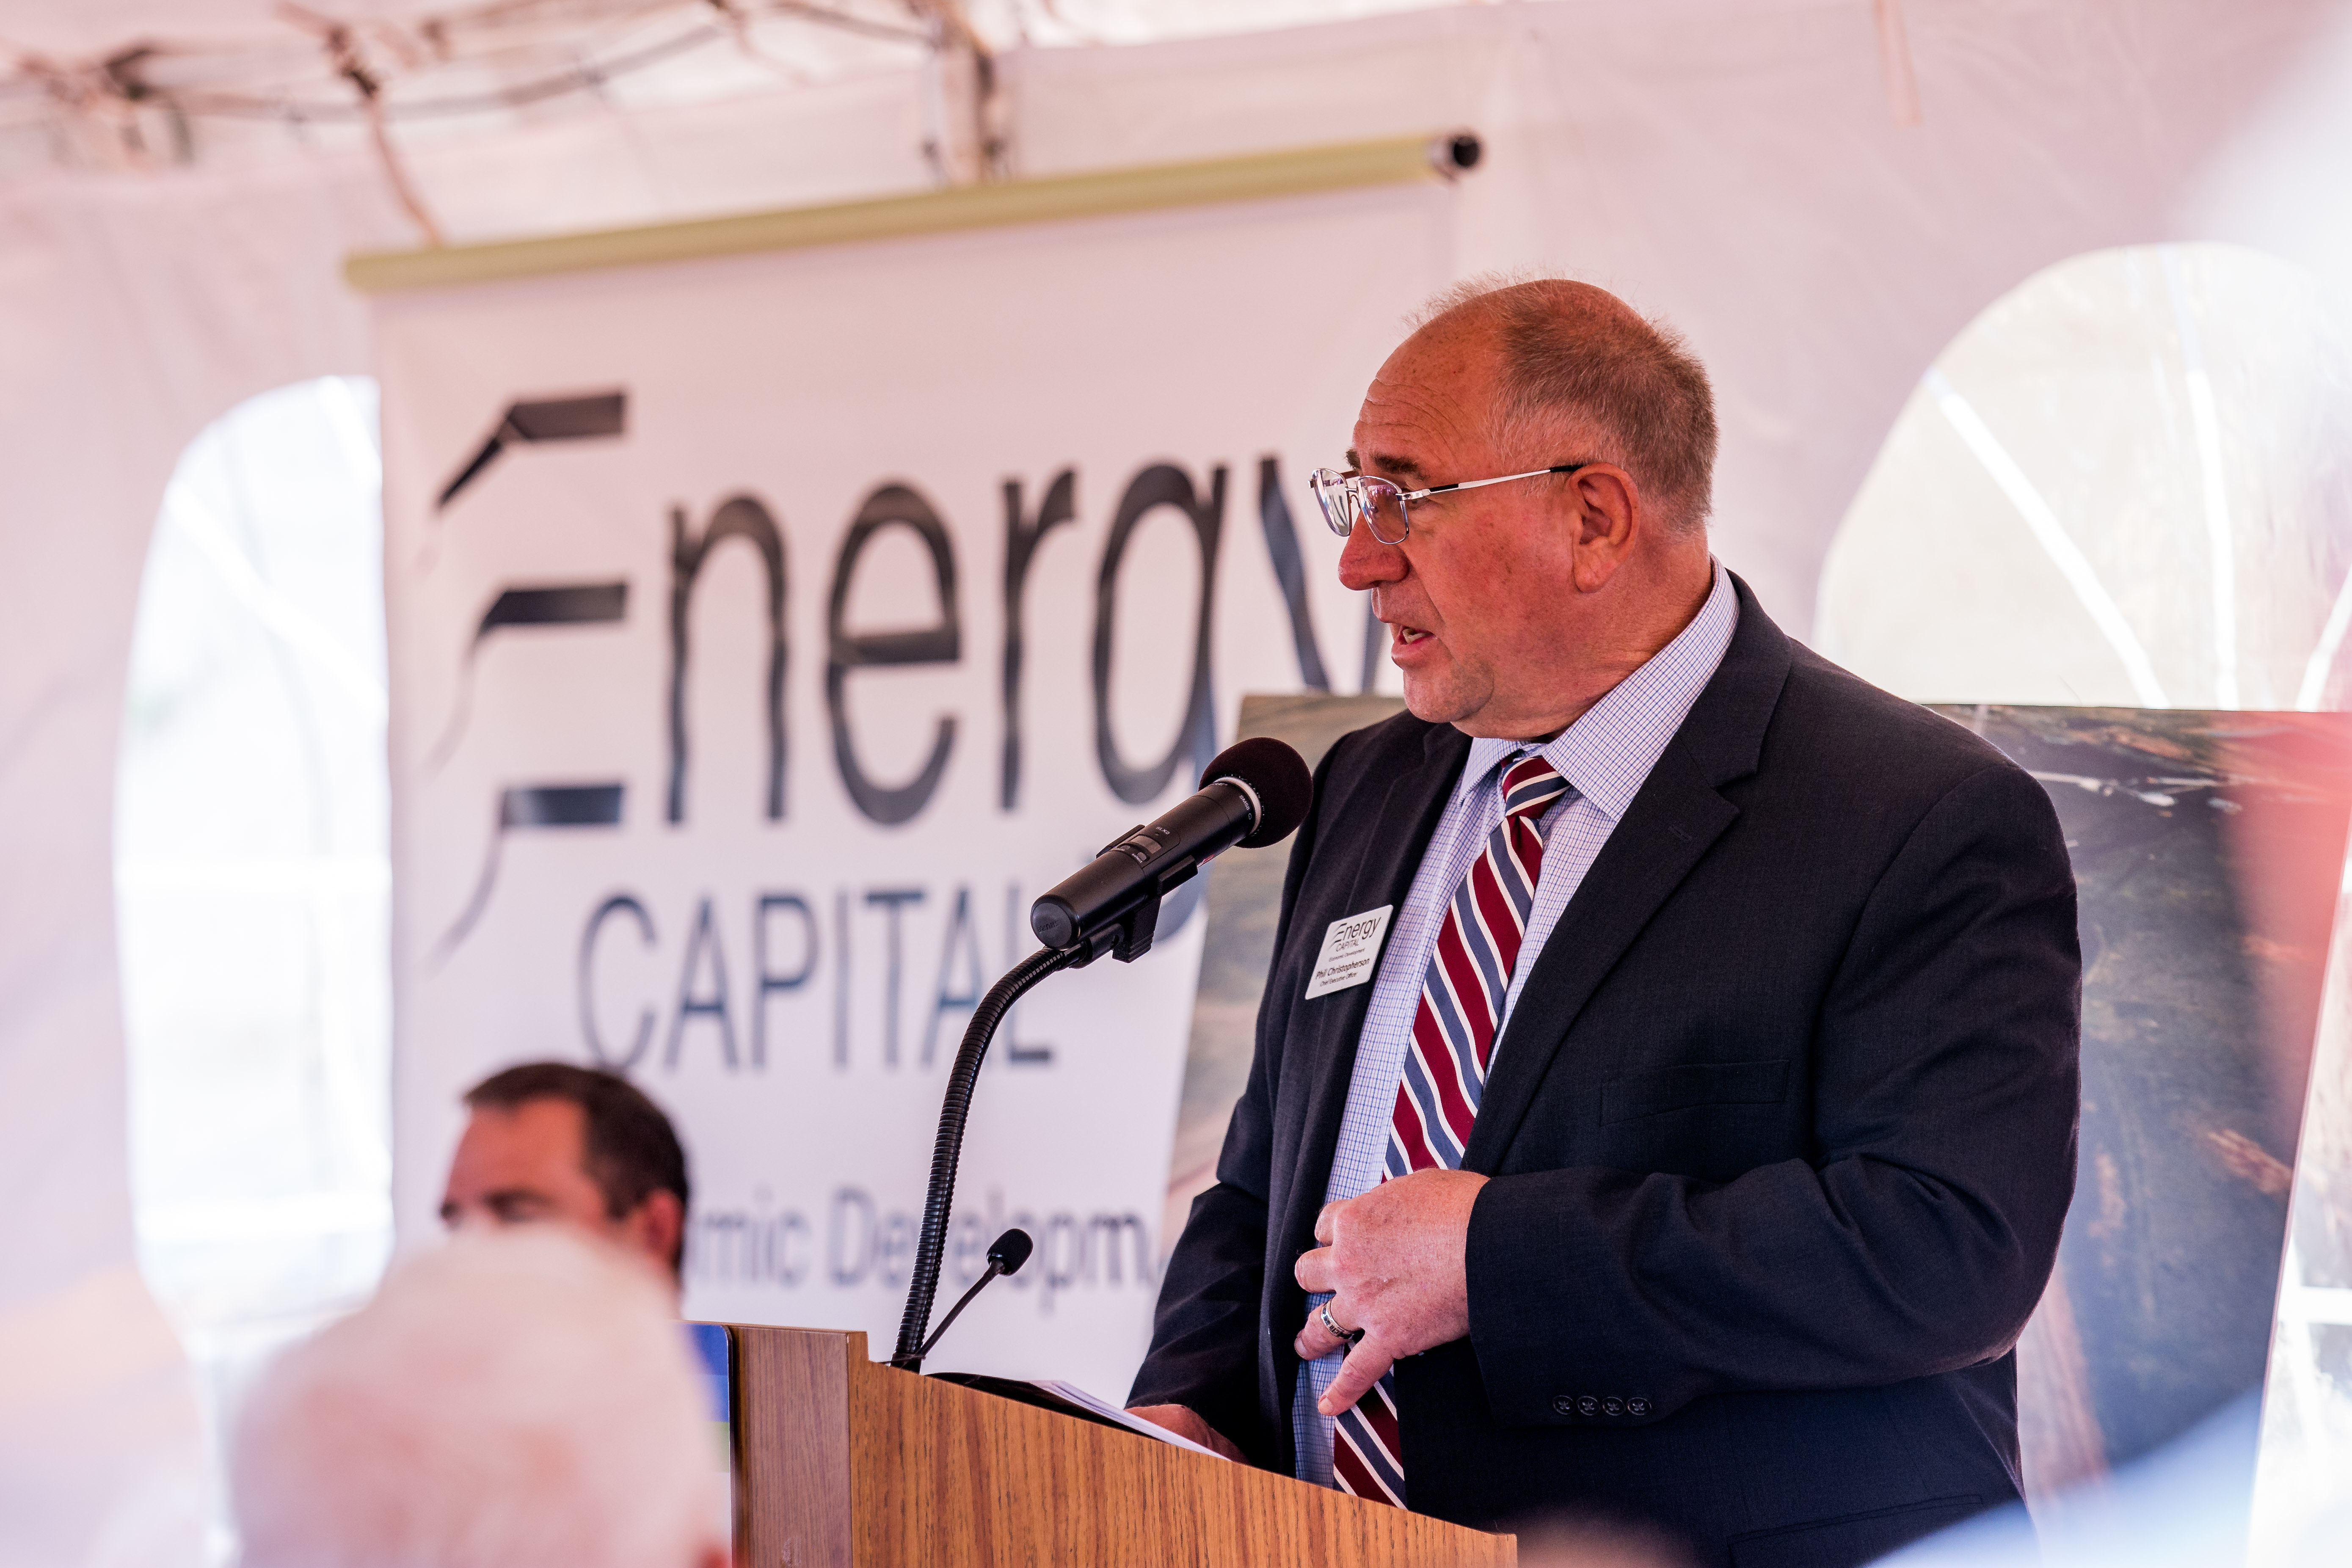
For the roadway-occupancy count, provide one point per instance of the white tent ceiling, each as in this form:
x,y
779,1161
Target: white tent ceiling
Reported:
x,y
81,26
113,84
75,31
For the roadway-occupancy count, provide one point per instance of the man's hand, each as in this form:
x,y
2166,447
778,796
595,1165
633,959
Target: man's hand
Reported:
x,y
1180,1419
1396,1256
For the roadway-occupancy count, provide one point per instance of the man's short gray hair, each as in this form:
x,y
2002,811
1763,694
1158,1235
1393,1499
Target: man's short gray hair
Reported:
x,y
516,1399
1572,352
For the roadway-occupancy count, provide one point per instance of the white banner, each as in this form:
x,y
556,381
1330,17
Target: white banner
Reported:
x,y
766,632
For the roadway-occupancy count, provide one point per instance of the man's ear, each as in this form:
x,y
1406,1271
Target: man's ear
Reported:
x,y
1611,517
655,1225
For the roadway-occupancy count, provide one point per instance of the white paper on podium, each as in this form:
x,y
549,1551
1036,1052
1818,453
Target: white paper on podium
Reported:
x,y
1109,1411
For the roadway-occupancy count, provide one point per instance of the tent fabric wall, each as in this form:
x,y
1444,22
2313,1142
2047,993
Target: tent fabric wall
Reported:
x,y
132,317
1728,165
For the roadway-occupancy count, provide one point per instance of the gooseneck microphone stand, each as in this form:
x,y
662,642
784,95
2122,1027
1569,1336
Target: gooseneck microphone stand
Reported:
x,y
1253,792
939,1202
1127,938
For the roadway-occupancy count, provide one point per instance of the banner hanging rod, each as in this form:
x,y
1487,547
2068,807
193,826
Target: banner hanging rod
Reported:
x,y
1303,171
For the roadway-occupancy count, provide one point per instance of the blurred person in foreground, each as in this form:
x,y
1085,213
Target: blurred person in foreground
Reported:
x,y
548,1141
512,1400
1568,1541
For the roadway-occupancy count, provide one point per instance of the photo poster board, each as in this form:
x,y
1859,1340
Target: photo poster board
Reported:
x,y
1243,903
2209,851
2208,854
766,631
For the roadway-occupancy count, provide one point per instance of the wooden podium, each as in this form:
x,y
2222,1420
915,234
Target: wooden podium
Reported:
x,y
841,1462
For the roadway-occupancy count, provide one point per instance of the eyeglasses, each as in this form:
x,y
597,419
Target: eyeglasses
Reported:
x,y
1381,503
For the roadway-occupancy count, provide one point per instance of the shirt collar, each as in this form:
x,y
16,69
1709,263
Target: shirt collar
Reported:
x,y
1608,752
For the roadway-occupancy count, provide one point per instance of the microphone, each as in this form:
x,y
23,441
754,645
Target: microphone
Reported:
x,y
1006,1254
1253,795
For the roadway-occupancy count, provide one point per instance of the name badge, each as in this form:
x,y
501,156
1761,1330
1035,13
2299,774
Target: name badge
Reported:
x,y
1352,951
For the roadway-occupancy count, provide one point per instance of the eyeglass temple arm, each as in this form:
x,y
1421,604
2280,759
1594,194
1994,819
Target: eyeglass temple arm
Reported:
x,y
1505,480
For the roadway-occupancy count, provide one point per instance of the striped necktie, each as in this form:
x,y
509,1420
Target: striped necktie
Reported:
x,y
1462,995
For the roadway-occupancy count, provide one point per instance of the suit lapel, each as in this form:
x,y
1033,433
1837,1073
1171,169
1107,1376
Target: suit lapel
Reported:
x,y
1408,818
1669,825
1392,854
1675,817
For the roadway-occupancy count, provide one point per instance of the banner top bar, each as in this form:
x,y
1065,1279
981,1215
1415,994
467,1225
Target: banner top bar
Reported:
x,y
1296,171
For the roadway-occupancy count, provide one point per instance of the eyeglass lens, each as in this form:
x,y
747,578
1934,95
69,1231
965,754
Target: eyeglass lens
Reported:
x,y
1383,508
1345,498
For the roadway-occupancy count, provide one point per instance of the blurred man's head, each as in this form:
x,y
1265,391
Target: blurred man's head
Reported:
x,y
1571,1542
548,1141
513,1400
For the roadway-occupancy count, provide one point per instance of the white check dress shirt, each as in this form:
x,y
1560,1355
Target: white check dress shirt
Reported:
x,y
1605,755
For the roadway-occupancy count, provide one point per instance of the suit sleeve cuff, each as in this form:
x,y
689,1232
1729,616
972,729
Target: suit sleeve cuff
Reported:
x,y
1536,1361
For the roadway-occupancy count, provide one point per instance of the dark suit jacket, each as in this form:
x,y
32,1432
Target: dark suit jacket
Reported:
x,y
1780,1135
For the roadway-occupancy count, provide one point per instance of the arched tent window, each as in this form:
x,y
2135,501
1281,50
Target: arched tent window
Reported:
x,y
252,881
2128,482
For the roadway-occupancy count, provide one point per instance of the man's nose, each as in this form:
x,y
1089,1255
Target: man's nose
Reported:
x,y
1366,563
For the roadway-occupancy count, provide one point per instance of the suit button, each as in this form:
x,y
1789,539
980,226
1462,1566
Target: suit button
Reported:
x,y
1588,1405
1613,1406
1563,1404
1637,1408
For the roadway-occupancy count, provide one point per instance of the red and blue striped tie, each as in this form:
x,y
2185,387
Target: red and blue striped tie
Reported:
x,y
1445,1062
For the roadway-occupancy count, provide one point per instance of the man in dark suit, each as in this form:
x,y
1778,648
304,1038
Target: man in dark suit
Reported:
x,y
1666,1088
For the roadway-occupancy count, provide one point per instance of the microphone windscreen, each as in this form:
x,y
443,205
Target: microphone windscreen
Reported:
x,y
1278,776
1011,1250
